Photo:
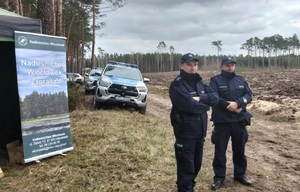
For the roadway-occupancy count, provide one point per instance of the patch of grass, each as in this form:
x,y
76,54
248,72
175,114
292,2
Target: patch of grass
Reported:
x,y
161,90
114,150
282,118
273,115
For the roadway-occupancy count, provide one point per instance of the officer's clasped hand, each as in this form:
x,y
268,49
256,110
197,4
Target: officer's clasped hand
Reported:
x,y
232,106
238,110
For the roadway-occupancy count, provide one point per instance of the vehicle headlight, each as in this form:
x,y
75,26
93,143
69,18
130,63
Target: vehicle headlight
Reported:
x,y
104,83
142,89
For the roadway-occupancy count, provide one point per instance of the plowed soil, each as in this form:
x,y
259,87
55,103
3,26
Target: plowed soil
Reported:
x,y
273,149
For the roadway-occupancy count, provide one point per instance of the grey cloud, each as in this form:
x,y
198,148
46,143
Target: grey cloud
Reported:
x,y
182,22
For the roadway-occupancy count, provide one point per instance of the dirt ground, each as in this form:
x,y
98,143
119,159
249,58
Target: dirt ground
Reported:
x,y
274,136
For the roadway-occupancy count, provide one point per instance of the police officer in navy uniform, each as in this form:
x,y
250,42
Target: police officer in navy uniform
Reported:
x,y
191,99
230,119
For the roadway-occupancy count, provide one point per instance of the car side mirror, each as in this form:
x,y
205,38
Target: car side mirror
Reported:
x,y
146,80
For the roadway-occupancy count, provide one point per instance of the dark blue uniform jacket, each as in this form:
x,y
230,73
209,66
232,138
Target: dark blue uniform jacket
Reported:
x,y
188,116
230,87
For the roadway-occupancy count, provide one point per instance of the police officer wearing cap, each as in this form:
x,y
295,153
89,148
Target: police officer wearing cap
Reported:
x,y
190,99
230,119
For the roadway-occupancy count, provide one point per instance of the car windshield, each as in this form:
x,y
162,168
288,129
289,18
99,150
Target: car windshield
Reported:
x,y
96,72
123,72
71,75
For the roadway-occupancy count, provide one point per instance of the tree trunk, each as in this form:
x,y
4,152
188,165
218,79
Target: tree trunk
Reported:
x,y
58,13
94,30
21,7
171,62
6,4
45,12
54,16
28,10
82,48
76,57
17,7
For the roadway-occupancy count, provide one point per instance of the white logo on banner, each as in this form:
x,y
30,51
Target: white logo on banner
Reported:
x,y
22,40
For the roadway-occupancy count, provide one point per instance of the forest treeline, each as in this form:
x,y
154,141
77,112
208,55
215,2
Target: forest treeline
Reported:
x,y
42,105
78,21
164,62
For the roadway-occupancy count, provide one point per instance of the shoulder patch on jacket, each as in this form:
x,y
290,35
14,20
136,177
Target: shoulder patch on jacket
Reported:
x,y
178,78
240,76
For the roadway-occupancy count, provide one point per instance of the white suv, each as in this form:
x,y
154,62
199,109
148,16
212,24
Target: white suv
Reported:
x,y
76,77
92,78
123,84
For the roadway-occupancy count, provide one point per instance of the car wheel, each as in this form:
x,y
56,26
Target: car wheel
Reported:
x,y
142,110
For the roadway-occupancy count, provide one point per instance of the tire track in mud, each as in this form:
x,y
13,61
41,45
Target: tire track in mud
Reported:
x,y
159,106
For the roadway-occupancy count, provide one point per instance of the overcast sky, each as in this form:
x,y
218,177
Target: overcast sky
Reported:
x,y
192,25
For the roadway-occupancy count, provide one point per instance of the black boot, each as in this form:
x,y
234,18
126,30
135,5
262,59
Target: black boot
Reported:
x,y
216,185
243,181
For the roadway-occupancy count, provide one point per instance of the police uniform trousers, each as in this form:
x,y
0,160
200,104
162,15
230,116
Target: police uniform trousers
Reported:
x,y
220,137
188,153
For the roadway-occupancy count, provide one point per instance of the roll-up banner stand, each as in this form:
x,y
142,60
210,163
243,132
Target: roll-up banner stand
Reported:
x,y
43,95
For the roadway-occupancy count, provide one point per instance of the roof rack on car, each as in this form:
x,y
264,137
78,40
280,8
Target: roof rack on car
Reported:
x,y
123,64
